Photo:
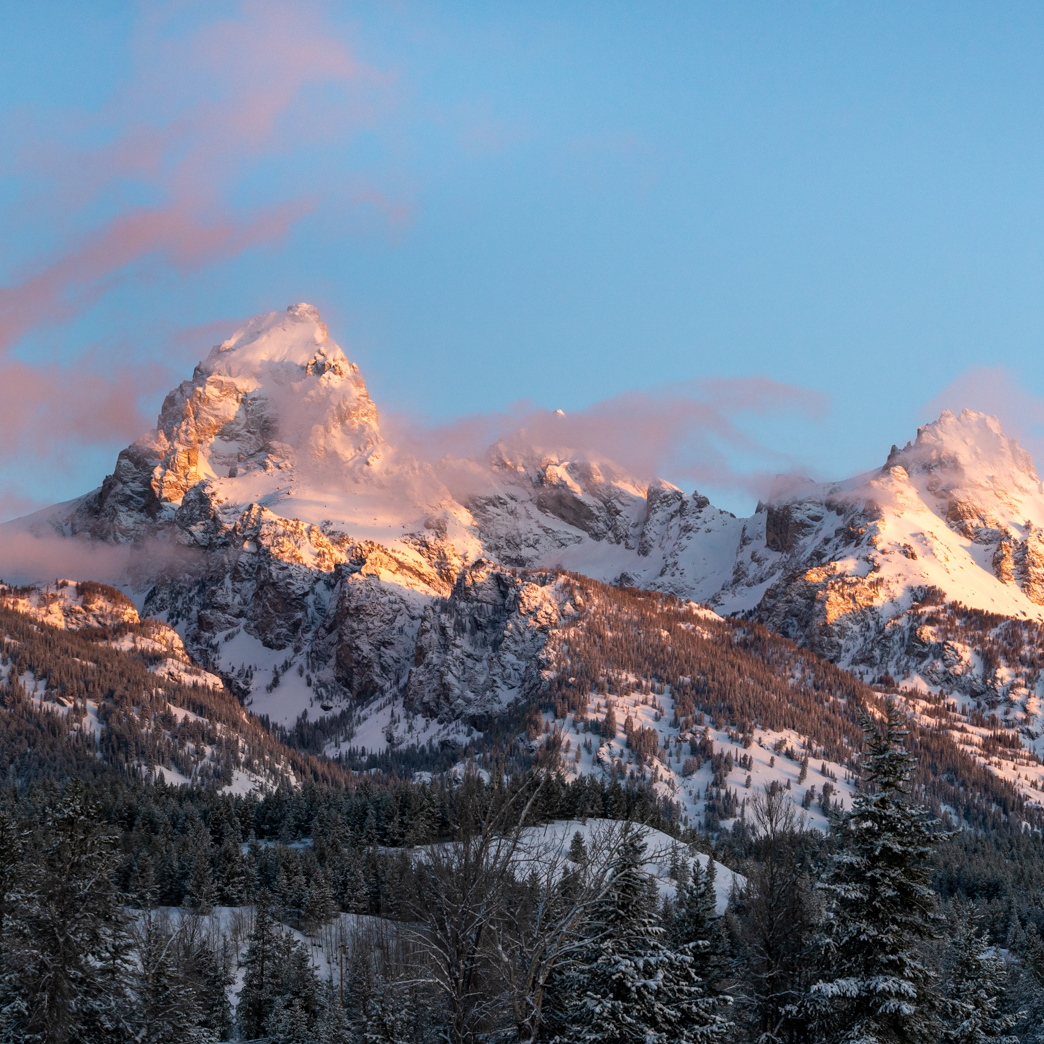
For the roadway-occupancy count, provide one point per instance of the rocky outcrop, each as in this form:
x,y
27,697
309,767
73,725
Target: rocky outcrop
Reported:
x,y
479,650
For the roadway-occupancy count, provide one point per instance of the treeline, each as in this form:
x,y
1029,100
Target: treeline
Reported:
x,y
200,847
492,931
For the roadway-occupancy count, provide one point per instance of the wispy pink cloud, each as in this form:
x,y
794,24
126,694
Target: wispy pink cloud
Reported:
x,y
31,558
201,109
44,409
175,235
692,431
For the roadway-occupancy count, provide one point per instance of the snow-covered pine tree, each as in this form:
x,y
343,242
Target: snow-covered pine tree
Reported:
x,y
775,919
880,908
387,1019
201,892
166,1009
14,885
229,875
319,905
258,993
213,975
64,973
696,924
304,1010
578,849
975,987
628,987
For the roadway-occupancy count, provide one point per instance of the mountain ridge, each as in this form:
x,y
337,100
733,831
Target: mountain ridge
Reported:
x,y
319,568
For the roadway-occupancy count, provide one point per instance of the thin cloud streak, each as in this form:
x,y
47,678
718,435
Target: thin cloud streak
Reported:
x,y
46,411
247,82
174,236
693,431
34,558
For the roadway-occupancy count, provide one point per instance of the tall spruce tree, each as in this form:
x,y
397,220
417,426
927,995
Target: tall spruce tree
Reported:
x,y
63,979
975,988
695,924
260,980
303,1010
881,908
775,917
166,1009
387,1018
628,986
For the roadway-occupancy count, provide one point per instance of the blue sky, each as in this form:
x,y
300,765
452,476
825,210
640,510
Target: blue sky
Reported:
x,y
557,203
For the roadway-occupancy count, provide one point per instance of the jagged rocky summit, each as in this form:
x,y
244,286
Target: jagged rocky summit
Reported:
x,y
320,567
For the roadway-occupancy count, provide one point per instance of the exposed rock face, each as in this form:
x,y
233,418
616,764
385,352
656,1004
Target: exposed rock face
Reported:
x,y
479,649
277,393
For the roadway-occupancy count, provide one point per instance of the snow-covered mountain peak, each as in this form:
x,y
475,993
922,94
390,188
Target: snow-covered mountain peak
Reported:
x,y
294,340
969,449
277,393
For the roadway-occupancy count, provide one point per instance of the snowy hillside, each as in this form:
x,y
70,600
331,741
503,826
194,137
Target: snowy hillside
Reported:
x,y
87,687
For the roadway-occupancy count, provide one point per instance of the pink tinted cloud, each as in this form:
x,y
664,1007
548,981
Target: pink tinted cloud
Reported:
x,y
25,558
43,410
199,112
996,390
35,557
692,431
175,235
13,505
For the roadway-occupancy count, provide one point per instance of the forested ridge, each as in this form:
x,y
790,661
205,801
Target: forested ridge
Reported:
x,y
739,675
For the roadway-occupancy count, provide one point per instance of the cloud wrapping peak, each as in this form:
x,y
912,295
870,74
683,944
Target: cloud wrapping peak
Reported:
x,y
996,391
692,431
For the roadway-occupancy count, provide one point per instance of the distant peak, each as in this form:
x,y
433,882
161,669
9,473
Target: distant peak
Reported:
x,y
970,441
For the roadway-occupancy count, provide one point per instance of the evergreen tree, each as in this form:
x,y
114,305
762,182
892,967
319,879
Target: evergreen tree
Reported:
x,y
695,924
881,908
229,877
12,882
629,986
166,1007
319,906
303,1011
282,999
64,975
388,1019
975,989
201,892
578,849
15,879
260,980
774,919
210,971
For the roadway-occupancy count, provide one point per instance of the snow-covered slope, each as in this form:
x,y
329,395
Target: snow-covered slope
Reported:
x,y
86,686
